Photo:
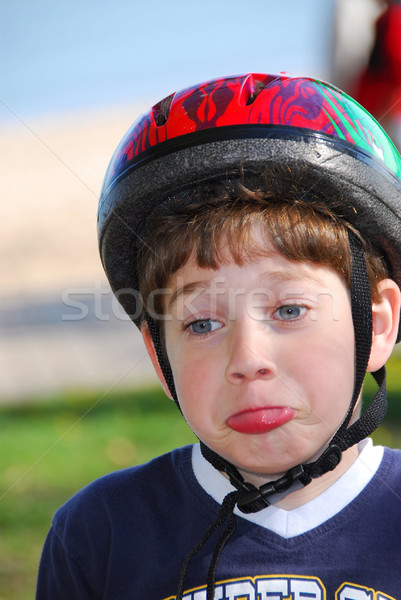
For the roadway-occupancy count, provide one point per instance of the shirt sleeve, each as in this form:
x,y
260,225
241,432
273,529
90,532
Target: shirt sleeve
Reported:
x,y
59,575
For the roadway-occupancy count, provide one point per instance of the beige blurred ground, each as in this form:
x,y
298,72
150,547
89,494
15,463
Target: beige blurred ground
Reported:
x,y
50,178
51,175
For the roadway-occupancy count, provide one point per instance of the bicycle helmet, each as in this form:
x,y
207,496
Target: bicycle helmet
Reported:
x,y
239,126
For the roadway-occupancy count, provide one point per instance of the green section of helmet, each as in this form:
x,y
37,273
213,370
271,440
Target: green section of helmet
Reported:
x,y
353,123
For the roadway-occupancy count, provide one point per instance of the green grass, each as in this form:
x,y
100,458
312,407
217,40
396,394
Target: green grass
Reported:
x,y
389,433
52,448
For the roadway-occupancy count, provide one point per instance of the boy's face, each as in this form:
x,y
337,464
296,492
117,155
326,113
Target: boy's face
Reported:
x,y
262,357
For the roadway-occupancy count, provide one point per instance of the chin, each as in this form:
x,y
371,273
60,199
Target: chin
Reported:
x,y
265,469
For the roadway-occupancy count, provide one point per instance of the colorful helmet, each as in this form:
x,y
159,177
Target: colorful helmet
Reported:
x,y
240,125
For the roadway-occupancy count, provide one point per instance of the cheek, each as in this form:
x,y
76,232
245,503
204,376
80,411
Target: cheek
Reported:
x,y
194,367
198,385
193,379
331,379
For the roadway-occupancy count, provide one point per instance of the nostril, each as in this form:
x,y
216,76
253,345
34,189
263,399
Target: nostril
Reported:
x,y
238,375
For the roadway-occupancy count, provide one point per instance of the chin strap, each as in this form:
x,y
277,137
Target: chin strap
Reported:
x,y
248,497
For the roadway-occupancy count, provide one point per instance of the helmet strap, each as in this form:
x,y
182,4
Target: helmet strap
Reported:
x,y
154,330
253,499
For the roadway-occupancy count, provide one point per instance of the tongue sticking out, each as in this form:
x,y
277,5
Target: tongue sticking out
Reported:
x,y
260,420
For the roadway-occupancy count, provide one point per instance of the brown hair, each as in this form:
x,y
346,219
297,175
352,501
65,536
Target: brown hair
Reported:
x,y
301,230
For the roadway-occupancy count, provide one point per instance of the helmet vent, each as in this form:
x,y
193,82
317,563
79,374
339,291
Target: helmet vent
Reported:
x,y
258,86
161,110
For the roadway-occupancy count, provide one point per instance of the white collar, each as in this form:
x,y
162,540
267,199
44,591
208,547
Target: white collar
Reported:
x,y
290,523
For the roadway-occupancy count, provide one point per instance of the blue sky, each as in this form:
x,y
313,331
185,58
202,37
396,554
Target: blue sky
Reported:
x,y
64,56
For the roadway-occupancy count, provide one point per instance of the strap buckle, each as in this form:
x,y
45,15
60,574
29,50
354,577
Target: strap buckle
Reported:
x,y
328,461
252,499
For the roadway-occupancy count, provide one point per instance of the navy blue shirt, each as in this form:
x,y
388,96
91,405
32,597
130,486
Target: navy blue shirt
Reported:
x,y
125,537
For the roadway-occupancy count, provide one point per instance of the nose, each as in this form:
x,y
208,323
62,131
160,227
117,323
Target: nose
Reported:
x,y
250,355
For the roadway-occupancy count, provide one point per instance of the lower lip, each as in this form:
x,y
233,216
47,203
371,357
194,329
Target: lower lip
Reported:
x,y
260,420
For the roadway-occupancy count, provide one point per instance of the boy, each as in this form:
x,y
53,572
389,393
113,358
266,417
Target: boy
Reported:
x,y
251,227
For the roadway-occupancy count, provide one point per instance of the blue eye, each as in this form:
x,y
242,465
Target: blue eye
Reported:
x,y
204,326
290,312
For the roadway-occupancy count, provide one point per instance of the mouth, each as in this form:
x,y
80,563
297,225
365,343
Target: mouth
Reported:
x,y
260,420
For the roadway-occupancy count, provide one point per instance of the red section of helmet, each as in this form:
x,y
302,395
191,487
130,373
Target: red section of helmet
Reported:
x,y
242,100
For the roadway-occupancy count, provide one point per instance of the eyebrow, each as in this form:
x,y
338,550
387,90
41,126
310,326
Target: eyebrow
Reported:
x,y
187,289
292,275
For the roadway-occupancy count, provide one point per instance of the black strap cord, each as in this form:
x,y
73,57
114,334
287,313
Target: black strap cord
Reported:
x,y
225,514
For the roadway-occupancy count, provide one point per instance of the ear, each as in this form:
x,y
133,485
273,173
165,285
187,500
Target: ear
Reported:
x,y
386,315
150,347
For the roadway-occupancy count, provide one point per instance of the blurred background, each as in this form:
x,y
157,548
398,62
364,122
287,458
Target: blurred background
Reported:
x,y
74,76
